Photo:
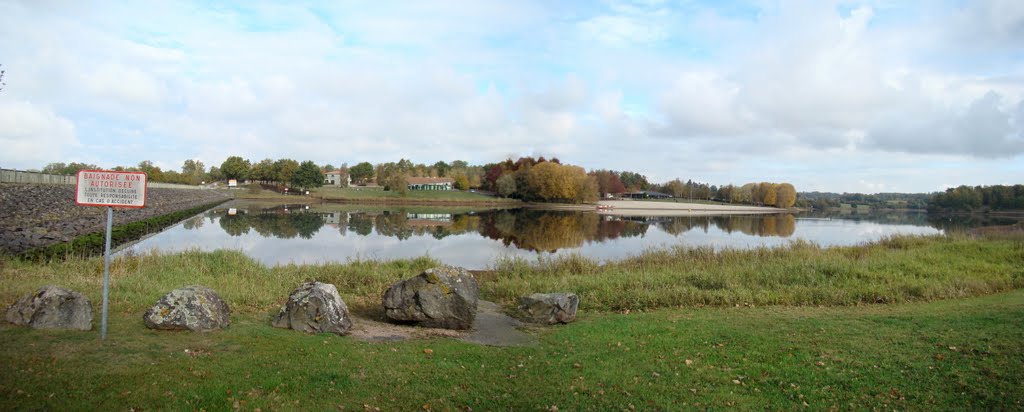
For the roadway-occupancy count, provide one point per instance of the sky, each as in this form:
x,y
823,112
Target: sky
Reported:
x,y
841,96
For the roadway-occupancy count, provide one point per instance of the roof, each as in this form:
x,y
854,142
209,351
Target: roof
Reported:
x,y
429,180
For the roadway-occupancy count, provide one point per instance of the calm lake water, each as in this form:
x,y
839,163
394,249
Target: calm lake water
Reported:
x,y
282,234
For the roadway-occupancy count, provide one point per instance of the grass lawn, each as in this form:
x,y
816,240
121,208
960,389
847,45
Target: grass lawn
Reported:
x,y
378,194
777,329
954,354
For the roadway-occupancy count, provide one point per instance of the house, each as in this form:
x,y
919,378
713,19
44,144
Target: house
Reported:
x,y
335,178
431,183
646,194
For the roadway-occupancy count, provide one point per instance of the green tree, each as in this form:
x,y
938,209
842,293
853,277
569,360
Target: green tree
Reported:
x,y
215,174
329,168
442,168
263,171
506,185
235,167
307,176
193,171
284,169
153,173
361,172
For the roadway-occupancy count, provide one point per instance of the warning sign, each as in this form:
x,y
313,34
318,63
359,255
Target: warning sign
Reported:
x,y
109,188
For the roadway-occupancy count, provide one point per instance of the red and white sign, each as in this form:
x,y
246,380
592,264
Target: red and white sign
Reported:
x,y
109,188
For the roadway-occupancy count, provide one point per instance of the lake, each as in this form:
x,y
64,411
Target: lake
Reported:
x,y
280,234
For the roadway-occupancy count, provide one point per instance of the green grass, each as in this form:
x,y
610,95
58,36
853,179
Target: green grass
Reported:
x,y
898,269
668,351
948,355
377,194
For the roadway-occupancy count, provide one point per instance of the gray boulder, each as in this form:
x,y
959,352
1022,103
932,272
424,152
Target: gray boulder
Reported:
x,y
548,308
314,307
196,308
442,297
52,307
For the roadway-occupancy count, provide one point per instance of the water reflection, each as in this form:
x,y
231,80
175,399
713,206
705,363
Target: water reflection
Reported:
x,y
276,234
526,229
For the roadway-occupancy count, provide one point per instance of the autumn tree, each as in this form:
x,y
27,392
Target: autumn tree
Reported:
x,y
461,180
676,188
785,196
608,182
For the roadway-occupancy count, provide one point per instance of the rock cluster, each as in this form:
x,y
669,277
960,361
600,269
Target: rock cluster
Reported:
x,y
314,307
548,308
195,308
442,297
52,307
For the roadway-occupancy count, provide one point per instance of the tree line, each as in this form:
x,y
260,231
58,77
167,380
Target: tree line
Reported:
x,y
968,198
526,178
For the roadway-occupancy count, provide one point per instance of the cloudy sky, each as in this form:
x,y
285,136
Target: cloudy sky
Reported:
x,y
858,96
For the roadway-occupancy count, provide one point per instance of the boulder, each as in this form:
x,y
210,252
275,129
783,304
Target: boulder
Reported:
x,y
442,297
314,307
196,308
548,308
52,307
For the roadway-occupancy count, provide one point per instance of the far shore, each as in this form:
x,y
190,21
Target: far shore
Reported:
x,y
649,208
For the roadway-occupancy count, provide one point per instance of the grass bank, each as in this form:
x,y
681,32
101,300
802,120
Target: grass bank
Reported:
x,y
898,269
665,353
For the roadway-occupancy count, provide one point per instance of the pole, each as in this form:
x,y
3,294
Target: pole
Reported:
x,y
106,273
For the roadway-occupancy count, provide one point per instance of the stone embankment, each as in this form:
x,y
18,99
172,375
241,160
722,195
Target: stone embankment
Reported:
x,y
37,215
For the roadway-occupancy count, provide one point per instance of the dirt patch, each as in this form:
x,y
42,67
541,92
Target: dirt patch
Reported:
x,y
492,327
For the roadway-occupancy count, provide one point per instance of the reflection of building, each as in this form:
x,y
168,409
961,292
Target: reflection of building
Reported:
x,y
431,183
440,217
428,219
335,179
331,218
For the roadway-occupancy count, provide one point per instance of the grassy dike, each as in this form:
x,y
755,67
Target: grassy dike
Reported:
x,y
816,345
94,243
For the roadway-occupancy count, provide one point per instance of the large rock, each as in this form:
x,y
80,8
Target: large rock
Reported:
x,y
52,307
314,307
442,297
548,308
196,308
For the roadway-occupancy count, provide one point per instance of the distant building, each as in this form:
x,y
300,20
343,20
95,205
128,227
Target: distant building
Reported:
x,y
646,194
335,179
431,183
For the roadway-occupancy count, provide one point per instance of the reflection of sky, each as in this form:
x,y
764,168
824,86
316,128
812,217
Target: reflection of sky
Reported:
x,y
333,244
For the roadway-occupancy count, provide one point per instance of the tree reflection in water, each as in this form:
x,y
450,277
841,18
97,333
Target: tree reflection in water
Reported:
x,y
534,230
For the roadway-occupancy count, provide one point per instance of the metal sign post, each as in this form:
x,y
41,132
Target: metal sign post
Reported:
x,y
110,189
106,273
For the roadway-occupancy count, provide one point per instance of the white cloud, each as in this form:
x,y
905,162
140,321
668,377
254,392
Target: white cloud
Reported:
x,y
664,88
33,136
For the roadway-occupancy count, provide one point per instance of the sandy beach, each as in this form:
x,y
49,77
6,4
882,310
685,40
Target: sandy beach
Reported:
x,y
648,208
